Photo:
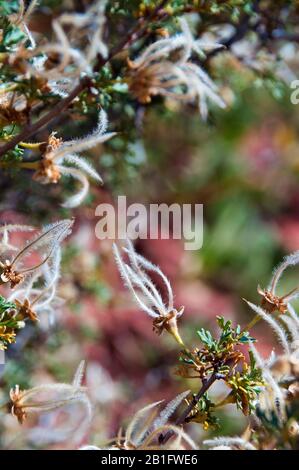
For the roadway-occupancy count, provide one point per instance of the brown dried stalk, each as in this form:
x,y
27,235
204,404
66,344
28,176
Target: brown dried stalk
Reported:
x,y
181,419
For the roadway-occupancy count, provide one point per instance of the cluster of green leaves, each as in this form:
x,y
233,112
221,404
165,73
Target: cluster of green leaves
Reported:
x,y
221,353
246,386
221,359
233,7
203,413
229,336
5,305
11,36
107,89
8,8
8,322
218,354
13,155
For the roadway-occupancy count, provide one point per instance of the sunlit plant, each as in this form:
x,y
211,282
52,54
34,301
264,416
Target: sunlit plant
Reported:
x,y
57,88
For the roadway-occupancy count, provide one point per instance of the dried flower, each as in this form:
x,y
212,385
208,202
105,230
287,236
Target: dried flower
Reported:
x,y
48,172
271,302
145,292
38,294
43,244
62,159
49,397
165,68
8,274
273,400
25,310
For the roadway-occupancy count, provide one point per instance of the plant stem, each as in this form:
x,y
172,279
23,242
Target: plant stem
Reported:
x,y
181,419
30,129
253,322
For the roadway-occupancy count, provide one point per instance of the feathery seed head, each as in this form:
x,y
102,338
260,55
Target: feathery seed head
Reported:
x,y
147,425
49,397
165,68
62,159
45,245
146,294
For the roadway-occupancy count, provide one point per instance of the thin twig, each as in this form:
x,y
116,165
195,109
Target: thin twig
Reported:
x,y
181,419
29,130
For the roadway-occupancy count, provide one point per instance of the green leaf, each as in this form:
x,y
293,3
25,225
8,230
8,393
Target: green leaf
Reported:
x,y
5,304
13,35
246,338
9,7
206,338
